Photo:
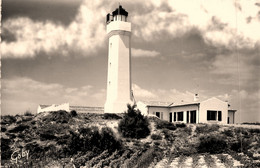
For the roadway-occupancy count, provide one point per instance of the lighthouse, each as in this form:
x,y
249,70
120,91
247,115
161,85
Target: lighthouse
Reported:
x,y
119,62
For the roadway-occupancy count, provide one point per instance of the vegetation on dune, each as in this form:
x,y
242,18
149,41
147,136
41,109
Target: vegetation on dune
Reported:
x,y
115,140
212,144
134,124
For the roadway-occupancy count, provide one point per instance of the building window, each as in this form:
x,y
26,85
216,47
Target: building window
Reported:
x,y
211,115
174,119
170,117
219,115
158,114
180,116
188,116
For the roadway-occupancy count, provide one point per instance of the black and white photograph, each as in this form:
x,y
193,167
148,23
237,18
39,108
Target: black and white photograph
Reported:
x,y
130,84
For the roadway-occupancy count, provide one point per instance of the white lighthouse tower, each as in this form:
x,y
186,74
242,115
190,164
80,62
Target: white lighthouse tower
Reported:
x,y
119,62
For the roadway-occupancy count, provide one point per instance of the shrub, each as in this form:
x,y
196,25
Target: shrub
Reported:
x,y
47,135
9,119
28,113
207,128
254,130
5,149
73,113
180,125
134,124
109,116
187,130
19,128
168,135
36,151
241,145
156,137
108,140
58,116
90,139
148,157
3,129
161,124
228,132
212,144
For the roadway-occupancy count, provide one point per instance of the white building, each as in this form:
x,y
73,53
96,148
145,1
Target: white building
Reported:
x,y
212,110
67,107
119,62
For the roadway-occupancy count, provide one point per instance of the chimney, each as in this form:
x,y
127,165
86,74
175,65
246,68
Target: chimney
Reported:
x,y
196,97
226,97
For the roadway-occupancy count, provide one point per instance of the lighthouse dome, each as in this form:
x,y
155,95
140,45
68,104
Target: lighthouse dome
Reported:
x,y
120,11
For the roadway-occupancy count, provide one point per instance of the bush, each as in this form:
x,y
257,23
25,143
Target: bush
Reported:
x,y
148,157
187,130
254,131
134,124
207,128
228,132
156,137
180,125
90,139
241,145
47,135
109,116
73,113
212,144
161,124
28,113
8,119
36,151
3,129
58,116
19,128
5,149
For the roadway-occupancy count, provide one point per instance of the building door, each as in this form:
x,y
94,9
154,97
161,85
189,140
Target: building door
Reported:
x,y
170,117
193,116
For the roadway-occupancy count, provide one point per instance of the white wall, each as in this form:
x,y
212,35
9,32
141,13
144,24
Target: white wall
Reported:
x,y
54,107
142,107
163,110
184,108
216,105
119,67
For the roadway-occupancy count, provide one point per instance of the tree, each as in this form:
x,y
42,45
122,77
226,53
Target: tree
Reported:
x,y
134,124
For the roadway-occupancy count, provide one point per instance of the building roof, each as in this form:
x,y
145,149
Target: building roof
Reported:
x,y
157,103
120,11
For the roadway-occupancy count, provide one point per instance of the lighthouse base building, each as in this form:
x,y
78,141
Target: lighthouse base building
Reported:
x,y
212,111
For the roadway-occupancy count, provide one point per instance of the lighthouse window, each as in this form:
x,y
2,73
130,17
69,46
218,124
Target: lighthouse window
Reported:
x,y
110,45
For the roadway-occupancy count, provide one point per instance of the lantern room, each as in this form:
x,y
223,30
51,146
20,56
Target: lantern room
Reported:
x,y
120,14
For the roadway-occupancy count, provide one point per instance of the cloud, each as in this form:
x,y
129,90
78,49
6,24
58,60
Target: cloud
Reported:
x,y
144,53
221,23
140,93
20,94
237,68
171,95
247,105
86,33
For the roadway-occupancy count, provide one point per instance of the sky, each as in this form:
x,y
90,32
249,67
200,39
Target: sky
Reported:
x,y
54,52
